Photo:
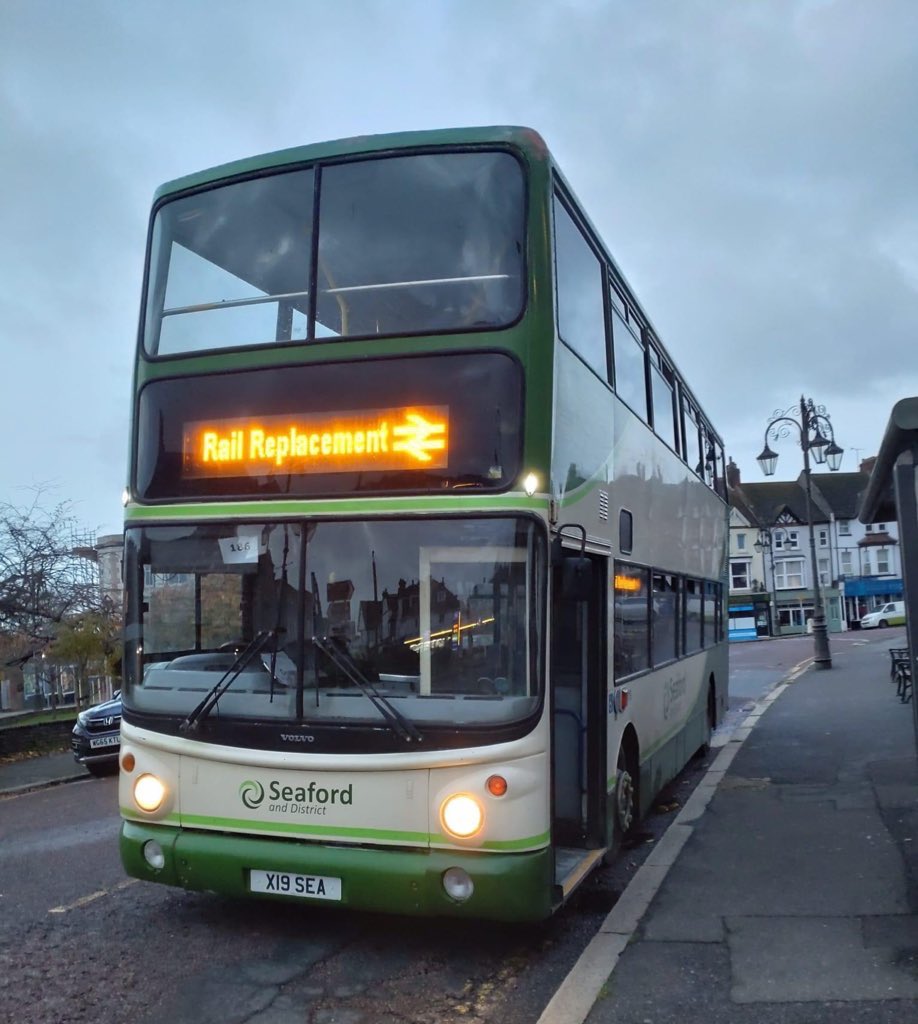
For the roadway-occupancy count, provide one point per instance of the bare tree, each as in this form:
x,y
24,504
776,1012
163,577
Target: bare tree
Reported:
x,y
43,579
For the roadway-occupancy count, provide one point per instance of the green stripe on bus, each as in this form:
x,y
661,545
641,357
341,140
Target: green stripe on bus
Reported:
x,y
344,506
517,844
390,835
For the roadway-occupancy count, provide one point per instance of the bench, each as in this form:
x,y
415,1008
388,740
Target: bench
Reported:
x,y
904,683
897,656
900,671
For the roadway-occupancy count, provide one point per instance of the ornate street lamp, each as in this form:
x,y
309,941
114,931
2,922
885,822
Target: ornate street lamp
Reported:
x,y
812,425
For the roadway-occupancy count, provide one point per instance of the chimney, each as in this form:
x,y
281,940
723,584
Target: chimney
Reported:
x,y
733,474
868,464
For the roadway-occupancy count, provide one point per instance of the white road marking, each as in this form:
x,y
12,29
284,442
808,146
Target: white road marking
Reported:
x,y
92,897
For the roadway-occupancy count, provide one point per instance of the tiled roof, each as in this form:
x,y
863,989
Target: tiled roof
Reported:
x,y
771,499
841,491
876,540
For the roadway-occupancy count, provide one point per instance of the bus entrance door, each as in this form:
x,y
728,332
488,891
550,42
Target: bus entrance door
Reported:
x,y
578,718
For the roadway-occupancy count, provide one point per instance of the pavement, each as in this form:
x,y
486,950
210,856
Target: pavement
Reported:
x,y
785,891
39,773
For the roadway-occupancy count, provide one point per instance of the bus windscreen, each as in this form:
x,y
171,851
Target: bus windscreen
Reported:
x,y
415,244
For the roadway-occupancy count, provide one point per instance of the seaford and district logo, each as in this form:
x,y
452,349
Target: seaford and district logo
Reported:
x,y
252,794
312,799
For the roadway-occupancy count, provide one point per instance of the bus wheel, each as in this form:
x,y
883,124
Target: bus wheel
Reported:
x,y
624,796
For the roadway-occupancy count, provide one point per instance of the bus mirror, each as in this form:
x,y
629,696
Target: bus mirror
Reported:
x,y
557,549
577,578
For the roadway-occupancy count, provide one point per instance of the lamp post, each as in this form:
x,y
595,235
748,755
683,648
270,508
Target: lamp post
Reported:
x,y
763,544
812,425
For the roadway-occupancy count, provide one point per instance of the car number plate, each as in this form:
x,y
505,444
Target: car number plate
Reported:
x,y
283,883
104,741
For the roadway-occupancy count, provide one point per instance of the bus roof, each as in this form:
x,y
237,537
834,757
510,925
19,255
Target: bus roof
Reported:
x,y
524,138
520,137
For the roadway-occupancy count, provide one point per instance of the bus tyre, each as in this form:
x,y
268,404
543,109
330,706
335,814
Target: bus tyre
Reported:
x,y
624,796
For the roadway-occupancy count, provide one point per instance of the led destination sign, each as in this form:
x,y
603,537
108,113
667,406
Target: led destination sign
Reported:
x,y
371,439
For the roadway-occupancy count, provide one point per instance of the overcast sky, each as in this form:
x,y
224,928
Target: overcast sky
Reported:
x,y
753,167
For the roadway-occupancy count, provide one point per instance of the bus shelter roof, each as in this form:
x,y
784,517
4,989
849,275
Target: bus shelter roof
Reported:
x,y
893,487
899,445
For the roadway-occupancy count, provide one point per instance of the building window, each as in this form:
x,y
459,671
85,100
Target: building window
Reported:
x,y
824,571
844,528
882,561
865,562
739,575
741,542
790,574
823,538
846,562
790,617
787,540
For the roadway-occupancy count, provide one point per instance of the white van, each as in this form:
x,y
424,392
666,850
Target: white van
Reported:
x,y
890,614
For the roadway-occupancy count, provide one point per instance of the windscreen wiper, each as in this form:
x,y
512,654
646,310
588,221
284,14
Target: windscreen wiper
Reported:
x,y
244,658
343,661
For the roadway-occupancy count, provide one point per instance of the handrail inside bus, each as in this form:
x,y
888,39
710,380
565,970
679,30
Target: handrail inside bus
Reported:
x,y
411,284
255,300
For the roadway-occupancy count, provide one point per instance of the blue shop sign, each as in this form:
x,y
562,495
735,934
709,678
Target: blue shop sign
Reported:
x,y
870,586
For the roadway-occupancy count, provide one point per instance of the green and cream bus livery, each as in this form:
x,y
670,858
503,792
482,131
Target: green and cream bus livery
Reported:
x,y
425,535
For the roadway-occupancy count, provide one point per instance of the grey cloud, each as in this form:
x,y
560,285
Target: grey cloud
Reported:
x,y
751,166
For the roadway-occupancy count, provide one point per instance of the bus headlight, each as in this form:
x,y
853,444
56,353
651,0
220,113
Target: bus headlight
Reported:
x,y
458,884
149,792
461,815
153,855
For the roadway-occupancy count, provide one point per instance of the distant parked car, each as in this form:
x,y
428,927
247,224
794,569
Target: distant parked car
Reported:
x,y
890,614
96,737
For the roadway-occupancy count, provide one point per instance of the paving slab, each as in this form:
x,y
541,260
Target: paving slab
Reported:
x,y
814,959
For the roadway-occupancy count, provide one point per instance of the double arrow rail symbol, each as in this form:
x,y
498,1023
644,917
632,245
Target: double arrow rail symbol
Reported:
x,y
417,437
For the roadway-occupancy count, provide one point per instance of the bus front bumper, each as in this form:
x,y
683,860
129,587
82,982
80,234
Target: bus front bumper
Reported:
x,y
507,886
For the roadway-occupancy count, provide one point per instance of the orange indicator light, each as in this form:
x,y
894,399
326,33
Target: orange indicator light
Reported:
x,y
381,439
497,785
627,583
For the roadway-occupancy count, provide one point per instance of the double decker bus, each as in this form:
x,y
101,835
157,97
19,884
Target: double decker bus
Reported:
x,y
425,535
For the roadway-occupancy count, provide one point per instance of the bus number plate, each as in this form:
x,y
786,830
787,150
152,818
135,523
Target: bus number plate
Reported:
x,y
283,883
